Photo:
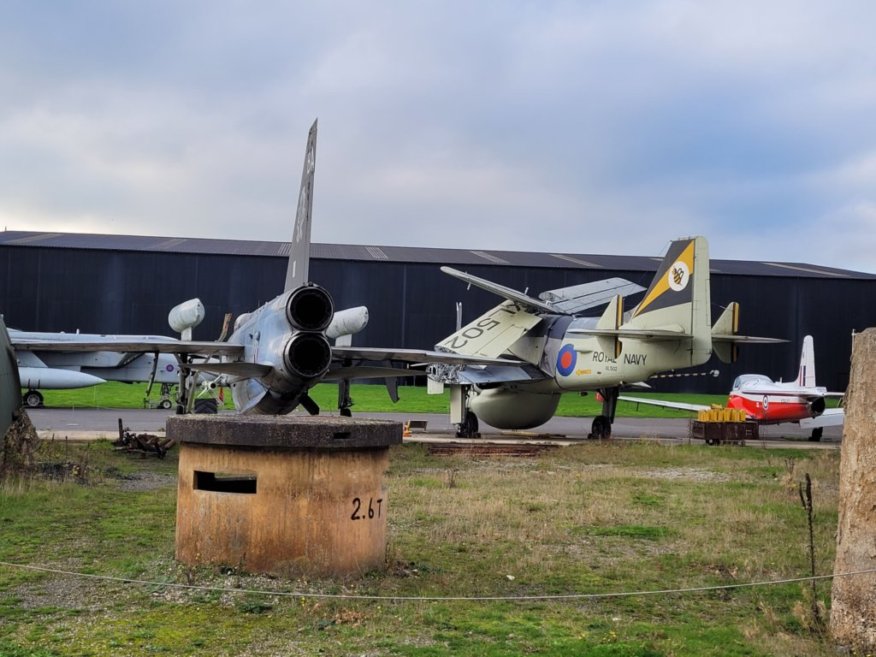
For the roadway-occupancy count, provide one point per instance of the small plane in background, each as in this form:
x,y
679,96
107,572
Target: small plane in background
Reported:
x,y
43,364
766,401
564,352
51,369
279,351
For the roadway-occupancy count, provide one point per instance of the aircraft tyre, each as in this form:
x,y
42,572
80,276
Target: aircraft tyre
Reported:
x,y
206,406
601,428
816,434
346,412
165,404
32,399
468,428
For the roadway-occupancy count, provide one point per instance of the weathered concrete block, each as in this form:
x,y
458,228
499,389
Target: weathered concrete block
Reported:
x,y
283,495
853,607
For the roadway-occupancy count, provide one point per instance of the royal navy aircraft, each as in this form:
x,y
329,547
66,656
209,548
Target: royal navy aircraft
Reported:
x,y
765,401
563,352
276,353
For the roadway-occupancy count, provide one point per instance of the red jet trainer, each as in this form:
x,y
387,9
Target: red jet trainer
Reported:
x,y
770,402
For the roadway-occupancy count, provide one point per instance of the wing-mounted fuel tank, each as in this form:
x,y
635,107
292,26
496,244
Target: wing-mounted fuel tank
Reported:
x,y
347,322
186,316
286,340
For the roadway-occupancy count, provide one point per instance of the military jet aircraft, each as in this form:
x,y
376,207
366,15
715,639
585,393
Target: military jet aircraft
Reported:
x,y
280,350
800,401
563,352
61,370
53,369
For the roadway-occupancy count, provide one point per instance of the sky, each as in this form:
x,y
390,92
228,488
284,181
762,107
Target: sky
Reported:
x,y
565,127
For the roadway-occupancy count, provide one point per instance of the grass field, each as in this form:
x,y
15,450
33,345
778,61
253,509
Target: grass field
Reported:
x,y
371,398
599,517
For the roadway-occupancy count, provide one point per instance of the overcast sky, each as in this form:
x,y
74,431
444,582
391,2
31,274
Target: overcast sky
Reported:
x,y
573,127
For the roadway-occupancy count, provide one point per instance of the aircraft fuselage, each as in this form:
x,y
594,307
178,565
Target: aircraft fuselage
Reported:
x,y
776,407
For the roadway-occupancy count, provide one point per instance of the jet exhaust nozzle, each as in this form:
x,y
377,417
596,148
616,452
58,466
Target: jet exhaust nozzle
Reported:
x,y
816,407
309,308
307,355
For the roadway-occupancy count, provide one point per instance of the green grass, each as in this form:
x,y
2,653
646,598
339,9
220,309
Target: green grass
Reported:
x,y
591,518
371,398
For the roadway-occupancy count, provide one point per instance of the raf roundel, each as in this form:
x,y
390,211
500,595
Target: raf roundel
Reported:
x,y
566,360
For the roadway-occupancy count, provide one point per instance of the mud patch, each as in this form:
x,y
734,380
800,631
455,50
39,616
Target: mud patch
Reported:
x,y
143,481
686,474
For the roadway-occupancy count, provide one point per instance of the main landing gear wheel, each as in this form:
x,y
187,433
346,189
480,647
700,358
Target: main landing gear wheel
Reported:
x,y
206,406
601,427
165,404
32,399
816,434
346,412
468,428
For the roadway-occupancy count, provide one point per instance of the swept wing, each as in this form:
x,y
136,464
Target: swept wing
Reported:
x,y
578,298
681,406
128,344
562,301
416,356
832,417
491,334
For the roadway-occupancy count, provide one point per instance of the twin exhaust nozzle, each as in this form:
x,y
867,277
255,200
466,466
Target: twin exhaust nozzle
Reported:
x,y
309,310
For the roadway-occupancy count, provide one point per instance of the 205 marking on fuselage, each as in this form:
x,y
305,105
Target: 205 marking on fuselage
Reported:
x,y
480,328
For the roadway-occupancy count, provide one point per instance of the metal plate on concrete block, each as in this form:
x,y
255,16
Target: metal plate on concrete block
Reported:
x,y
284,432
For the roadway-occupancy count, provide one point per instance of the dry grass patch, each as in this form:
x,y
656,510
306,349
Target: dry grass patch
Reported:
x,y
600,517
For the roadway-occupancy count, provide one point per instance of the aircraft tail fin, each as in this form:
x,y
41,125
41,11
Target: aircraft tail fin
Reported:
x,y
297,272
678,299
726,324
806,374
610,321
726,338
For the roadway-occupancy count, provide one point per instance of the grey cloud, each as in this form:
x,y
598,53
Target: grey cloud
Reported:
x,y
553,126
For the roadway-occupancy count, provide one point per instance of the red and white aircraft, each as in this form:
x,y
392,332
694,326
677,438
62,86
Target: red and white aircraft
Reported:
x,y
774,402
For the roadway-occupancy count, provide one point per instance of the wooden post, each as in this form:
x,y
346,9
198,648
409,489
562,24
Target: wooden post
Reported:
x,y
853,608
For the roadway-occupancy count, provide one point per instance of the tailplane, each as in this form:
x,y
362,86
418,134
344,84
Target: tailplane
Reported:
x,y
299,254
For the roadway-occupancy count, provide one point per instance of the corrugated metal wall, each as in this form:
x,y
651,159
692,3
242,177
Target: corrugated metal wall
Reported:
x,y
410,304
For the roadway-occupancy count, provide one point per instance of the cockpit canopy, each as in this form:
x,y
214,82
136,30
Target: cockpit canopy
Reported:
x,y
750,379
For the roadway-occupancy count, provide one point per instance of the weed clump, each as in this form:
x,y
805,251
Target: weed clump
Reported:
x,y
19,445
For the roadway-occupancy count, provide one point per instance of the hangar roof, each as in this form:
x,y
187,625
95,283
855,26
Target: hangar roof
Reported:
x,y
403,254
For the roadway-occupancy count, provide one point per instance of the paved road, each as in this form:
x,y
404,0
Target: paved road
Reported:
x,y
60,422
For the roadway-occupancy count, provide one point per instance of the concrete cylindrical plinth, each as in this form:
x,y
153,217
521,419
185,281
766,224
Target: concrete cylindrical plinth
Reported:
x,y
282,495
